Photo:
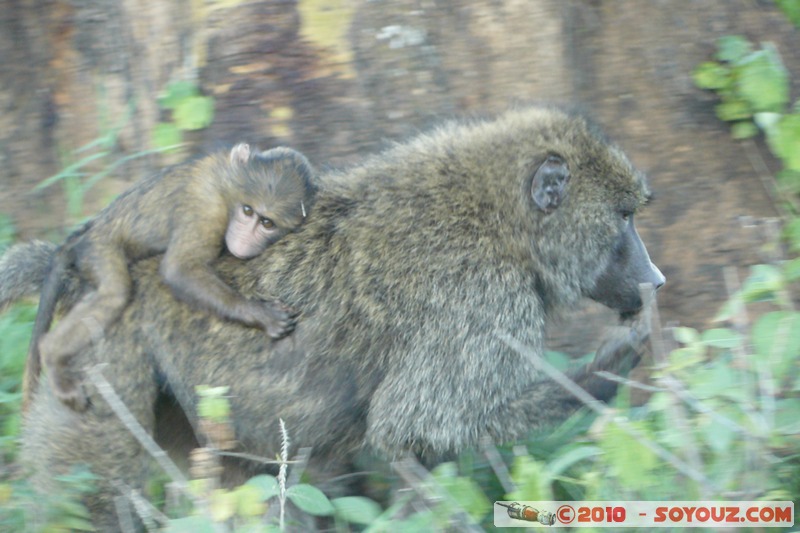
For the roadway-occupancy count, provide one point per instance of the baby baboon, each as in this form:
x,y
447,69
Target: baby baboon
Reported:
x,y
415,265
243,202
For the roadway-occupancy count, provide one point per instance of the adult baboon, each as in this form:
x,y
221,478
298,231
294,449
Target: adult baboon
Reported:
x,y
411,264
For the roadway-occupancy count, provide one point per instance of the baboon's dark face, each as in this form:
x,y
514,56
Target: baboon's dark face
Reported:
x,y
630,265
583,193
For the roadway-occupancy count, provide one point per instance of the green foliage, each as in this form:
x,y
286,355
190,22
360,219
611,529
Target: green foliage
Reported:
x,y
791,8
213,404
7,231
748,81
16,324
22,509
753,86
356,509
77,175
189,111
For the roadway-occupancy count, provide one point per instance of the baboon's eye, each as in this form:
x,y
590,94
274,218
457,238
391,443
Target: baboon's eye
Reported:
x,y
247,210
267,223
626,215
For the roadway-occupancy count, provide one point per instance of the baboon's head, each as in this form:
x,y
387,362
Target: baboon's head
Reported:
x,y
583,194
268,195
577,195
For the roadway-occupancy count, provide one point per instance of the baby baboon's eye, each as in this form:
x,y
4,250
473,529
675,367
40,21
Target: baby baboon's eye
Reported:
x,y
266,223
247,210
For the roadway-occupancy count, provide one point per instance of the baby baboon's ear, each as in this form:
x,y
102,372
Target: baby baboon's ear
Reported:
x,y
549,187
240,154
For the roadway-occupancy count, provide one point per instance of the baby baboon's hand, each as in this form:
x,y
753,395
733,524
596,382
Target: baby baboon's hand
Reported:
x,y
275,318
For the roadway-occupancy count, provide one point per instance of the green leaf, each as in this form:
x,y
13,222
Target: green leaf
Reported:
x,y
559,360
792,233
763,282
190,524
630,459
686,357
767,120
222,505
530,478
776,339
788,182
421,521
248,501
718,435
561,463
267,485
213,404
790,8
194,113
7,231
784,140
310,499
787,416
712,75
685,335
762,80
166,134
356,509
73,523
744,130
177,92
733,48
714,381
791,269
722,338
732,110
464,491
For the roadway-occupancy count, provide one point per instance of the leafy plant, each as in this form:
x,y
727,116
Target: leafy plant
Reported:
x,y
754,88
78,176
189,111
747,81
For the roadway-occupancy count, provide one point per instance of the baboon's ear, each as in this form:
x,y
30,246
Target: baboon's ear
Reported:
x,y
240,154
549,187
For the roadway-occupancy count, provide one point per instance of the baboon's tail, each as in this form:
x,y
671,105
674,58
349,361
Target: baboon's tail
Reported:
x,y
23,269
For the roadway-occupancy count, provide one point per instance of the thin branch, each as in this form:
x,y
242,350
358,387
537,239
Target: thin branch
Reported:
x,y
251,457
628,382
419,479
126,417
600,408
497,464
768,180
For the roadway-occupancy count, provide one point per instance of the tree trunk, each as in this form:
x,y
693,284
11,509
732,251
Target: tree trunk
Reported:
x,y
336,78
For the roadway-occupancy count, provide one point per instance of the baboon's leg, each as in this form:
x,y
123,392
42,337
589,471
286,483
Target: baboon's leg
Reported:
x,y
56,439
87,322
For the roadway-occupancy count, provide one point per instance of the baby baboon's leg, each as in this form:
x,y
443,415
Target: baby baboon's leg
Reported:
x,y
56,439
87,321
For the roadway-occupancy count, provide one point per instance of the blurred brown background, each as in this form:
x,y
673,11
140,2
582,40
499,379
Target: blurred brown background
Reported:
x,y
340,78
